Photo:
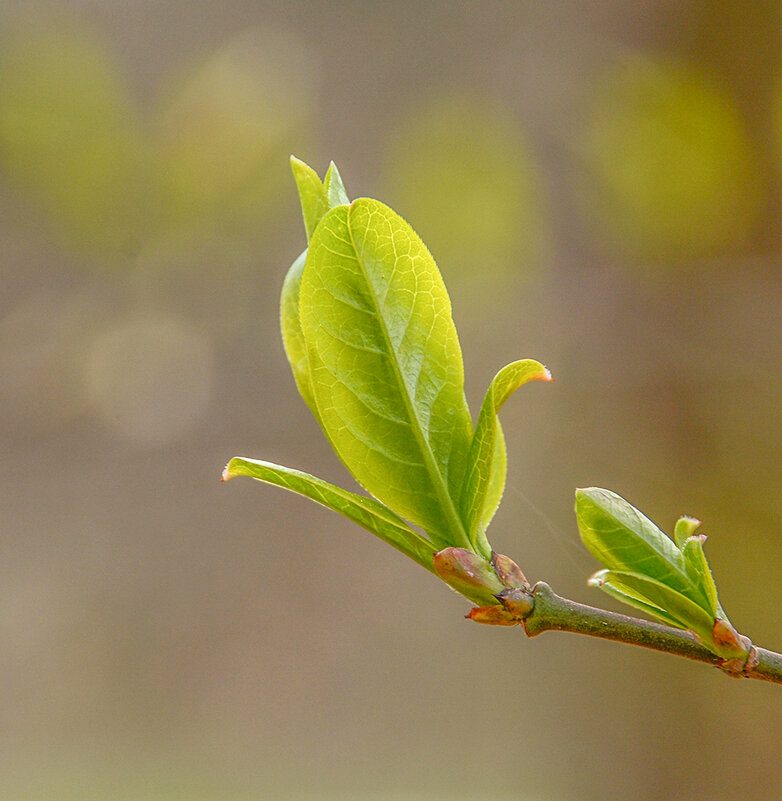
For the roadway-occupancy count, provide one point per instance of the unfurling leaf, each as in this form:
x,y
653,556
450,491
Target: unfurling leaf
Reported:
x,y
484,481
316,198
313,195
648,571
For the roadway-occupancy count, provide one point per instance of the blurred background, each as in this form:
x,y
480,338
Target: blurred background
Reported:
x,y
601,186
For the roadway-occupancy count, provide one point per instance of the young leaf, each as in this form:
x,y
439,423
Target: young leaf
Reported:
x,y
292,335
367,512
632,600
385,364
675,606
484,481
312,194
316,199
335,189
684,529
622,538
699,572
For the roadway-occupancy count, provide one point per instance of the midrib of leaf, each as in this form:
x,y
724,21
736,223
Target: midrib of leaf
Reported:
x,y
455,525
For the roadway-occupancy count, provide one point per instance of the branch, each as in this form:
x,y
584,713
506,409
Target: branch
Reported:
x,y
552,613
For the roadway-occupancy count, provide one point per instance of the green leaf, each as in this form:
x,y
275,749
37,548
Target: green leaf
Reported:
x,y
632,600
684,529
675,606
367,512
623,539
292,335
385,364
484,481
699,572
316,198
312,194
335,189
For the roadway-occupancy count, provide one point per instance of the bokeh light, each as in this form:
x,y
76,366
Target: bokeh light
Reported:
x,y
69,134
597,183
460,167
666,168
226,133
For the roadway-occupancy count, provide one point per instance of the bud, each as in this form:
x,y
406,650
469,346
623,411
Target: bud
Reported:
x,y
508,572
491,616
468,574
728,642
517,602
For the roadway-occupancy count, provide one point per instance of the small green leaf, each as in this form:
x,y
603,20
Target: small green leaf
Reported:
x,y
484,481
316,198
675,606
699,572
631,599
335,189
312,194
367,512
685,528
623,539
385,364
292,335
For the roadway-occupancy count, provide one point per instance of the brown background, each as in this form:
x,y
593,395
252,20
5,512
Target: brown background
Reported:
x,y
600,184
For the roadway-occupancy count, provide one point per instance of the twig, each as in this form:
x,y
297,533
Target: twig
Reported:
x,y
550,612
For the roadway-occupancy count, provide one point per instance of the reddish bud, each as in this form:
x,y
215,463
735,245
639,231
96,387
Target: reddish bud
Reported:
x,y
508,572
517,601
491,616
468,574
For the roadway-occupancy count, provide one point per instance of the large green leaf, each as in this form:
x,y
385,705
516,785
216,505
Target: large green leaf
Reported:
x,y
385,364
367,512
622,538
484,481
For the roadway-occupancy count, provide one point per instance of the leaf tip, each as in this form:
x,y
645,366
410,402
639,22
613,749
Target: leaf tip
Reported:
x,y
598,579
229,471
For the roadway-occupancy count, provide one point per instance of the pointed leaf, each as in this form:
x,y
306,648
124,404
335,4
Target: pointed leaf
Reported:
x,y
675,605
367,512
484,481
622,538
385,364
312,194
335,189
292,335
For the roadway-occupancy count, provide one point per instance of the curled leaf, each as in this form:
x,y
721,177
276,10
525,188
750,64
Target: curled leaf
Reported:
x,y
484,482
